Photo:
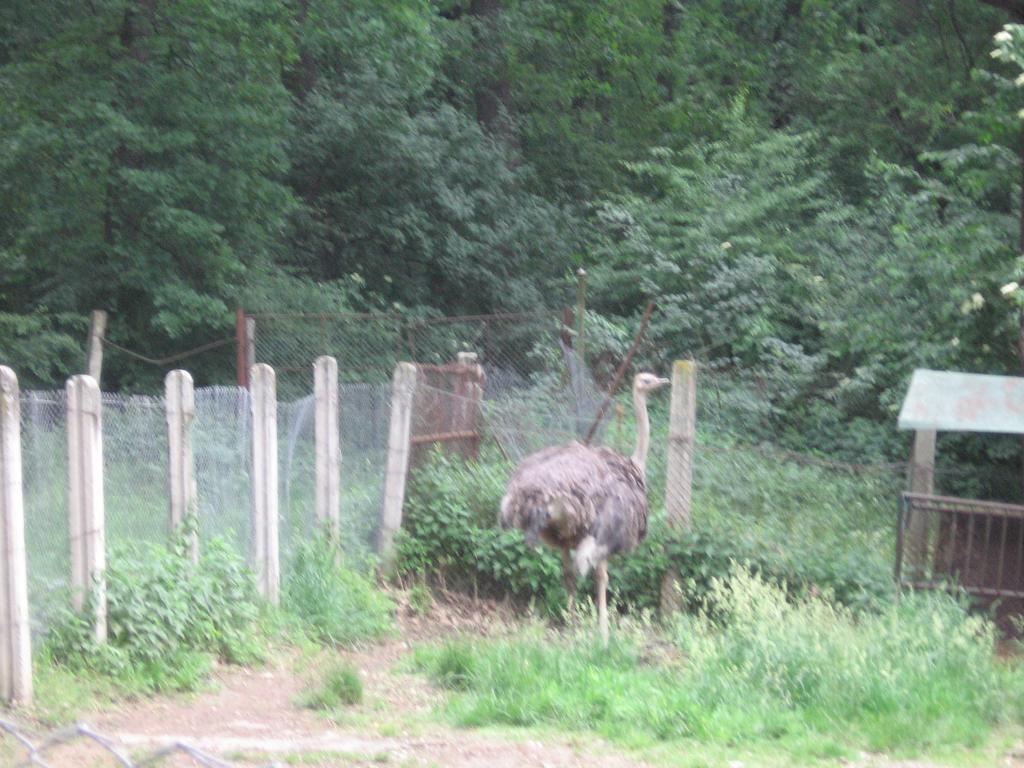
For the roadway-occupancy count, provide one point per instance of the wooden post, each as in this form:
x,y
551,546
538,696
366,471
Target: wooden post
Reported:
x,y
241,356
250,342
922,480
15,640
402,389
679,470
264,480
85,499
328,451
180,403
94,347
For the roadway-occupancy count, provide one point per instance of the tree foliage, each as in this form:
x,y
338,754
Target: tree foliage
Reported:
x,y
826,193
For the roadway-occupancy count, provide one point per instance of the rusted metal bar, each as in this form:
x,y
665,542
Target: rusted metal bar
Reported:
x,y
478,318
955,527
970,547
973,590
441,437
900,525
240,357
448,368
1020,553
993,507
621,372
1002,551
987,550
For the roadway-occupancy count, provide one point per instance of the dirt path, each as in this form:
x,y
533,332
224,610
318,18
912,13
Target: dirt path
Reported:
x,y
251,717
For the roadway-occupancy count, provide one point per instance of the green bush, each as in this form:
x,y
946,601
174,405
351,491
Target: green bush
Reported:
x,y
756,665
784,527
340,606
340,687
450,526
167,618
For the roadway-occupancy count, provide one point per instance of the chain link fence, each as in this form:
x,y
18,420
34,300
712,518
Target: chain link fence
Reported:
x,y
44,436
532,391
136,487
368,346
80,745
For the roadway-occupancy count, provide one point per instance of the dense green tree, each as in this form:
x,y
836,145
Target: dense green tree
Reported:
x,y
142,152
822,194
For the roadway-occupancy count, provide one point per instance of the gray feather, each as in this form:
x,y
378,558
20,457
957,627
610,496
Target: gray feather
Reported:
x,y
567,493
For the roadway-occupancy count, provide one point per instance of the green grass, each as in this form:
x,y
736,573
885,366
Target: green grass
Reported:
x,y
339,686
754,669
338,605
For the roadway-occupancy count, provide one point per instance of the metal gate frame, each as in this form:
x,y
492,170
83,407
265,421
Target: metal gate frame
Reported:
x,y
944,542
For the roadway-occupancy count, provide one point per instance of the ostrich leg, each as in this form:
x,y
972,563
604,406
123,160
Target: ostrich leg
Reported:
x,y
602,600
569,580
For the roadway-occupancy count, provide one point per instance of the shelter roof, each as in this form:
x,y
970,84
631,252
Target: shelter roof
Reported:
x,y
964,402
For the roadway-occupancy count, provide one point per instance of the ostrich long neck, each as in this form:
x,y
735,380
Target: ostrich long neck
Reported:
x,y
643,431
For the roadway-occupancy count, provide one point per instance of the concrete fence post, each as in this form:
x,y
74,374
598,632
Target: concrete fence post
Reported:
x,y
263,387
403,388
328,451
86,521
682,422
15,640
180,403
94,346
679,469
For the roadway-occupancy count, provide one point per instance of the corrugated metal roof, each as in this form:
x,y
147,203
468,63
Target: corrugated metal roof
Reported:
x,y
964,402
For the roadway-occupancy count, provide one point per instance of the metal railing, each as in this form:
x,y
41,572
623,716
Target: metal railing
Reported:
x,y
944,541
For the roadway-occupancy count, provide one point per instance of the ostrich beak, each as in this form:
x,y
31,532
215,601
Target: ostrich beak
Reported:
x,y
662,383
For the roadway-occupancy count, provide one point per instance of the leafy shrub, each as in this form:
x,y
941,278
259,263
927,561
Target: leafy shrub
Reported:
x,y
757,665
167,618
339,605
450,528
340,687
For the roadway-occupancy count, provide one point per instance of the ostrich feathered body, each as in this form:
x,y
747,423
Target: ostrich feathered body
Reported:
x,y
578,497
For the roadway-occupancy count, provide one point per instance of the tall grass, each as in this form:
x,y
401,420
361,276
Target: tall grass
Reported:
x,y
340,606
168,619
754,666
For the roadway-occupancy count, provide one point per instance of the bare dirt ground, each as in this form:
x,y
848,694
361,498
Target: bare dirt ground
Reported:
x,y
251,717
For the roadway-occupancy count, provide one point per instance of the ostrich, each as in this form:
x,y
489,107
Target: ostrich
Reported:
x,y
591,500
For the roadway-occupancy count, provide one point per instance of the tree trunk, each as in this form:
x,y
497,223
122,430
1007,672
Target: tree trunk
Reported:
x,y
300,79
670,13
492,94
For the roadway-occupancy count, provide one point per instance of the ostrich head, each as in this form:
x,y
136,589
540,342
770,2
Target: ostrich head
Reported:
x,y
648,382
642,384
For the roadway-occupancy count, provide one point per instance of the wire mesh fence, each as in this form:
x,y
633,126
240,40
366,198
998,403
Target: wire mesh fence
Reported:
x,y
531,390
45,477
136,485
80,745
368,346
222,447
135,460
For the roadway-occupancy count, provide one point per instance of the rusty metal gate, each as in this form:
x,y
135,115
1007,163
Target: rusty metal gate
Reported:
x,y
446,409
942,542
